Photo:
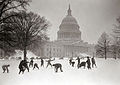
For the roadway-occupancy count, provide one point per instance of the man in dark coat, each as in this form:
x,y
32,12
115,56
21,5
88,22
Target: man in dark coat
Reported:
x,y
22,66
58,65
70,61
78,59
88,63
93,62
31,63
42,62
49,62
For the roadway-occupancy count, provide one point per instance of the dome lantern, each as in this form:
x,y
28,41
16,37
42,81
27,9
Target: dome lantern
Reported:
x,y
69,11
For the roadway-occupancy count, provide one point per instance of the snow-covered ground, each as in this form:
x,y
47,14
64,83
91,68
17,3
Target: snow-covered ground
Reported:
x,y
106,73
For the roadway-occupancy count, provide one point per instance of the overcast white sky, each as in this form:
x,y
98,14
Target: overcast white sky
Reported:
x,y
93,16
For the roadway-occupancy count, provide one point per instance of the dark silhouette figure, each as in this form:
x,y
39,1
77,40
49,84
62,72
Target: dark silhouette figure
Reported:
x,y
58,65
31,63
42,62
72,63
35,66
82,64
93,62
5,68
49,62
88,63
78,59
23,66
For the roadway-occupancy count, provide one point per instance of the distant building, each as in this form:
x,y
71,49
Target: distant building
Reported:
x,y
69,42
2,54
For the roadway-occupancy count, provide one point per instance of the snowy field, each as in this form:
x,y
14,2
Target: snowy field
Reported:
x,y
106,73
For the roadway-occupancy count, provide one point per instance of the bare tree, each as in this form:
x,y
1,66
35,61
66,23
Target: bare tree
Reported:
x,y
115,50
11,5
6,6
37,46
25,28
102,46
116,39
8,50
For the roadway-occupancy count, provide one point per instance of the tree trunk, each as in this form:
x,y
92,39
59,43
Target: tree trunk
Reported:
x,y
115,55
105,57
25,53
105,53
105,50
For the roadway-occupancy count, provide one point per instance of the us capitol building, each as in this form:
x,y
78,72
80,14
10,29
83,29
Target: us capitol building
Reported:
x,y
68,43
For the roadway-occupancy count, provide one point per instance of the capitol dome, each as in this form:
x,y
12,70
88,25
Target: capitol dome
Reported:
x,y
69,28
69,20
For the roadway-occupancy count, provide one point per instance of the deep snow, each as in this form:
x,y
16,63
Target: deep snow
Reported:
x,y
106,73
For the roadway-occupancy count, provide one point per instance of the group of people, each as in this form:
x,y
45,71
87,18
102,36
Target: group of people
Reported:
x,y
83,64
24,64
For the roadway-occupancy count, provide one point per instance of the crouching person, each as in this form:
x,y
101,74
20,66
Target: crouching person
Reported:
x,y
56,66
5,68
23,66
72,63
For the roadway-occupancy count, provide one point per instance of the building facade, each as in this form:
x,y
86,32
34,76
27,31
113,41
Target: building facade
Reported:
x,y
2,54
69,42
